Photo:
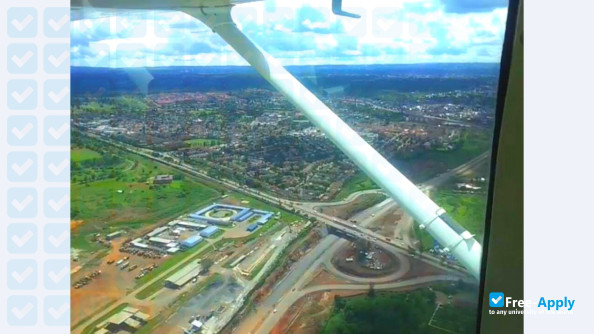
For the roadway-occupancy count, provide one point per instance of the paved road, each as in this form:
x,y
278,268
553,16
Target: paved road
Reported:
x,y
287,204
293,296
304,275
351,197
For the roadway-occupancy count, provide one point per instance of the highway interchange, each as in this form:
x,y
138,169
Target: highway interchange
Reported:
x,y
291,288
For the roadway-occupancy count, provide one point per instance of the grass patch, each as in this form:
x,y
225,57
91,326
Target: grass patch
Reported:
x,y
127,201
382,313
426,165
357,182
203,142
432,163
347,211
83,154
451,319
469,210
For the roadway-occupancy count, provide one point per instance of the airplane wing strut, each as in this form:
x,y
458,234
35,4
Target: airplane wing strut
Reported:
x,y
429,215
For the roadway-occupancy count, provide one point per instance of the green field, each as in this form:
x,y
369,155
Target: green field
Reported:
x,y
109,197
430,164
83,154
358,182
469,210
426,165
393,312
203,142
382,313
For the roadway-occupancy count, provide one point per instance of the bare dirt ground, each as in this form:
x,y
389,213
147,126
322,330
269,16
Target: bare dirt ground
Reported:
x,y
388,261
345,211
238,231
419,268
386,223
111,285
323,277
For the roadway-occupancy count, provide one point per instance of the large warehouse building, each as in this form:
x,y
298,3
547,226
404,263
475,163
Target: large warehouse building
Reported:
x,y
183,276
209,231
192,241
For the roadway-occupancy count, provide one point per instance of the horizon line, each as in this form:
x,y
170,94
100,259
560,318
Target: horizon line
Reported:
x,y
305,65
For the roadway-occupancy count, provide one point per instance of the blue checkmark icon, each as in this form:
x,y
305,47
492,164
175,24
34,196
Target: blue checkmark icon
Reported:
x,y
496,299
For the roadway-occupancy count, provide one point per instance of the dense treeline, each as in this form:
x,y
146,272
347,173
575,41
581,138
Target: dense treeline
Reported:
x,y
382,313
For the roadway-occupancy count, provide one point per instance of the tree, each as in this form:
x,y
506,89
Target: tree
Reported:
x,y
371,291
206,264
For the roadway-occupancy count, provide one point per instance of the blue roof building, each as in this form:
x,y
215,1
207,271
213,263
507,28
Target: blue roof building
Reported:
x,y
192,241
209,231
252,227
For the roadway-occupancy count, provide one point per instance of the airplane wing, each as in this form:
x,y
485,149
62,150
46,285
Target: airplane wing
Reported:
x,y
92,9
155,4
216,14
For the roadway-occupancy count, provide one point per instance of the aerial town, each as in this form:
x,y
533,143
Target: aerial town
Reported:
x,y
225,210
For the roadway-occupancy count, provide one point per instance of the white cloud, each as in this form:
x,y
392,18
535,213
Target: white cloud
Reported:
x,y
300,32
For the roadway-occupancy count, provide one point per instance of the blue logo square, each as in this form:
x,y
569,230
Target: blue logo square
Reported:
x,y
57,202
21,130
22,166
57,94
56,310
57,275
22,22
22,238
21,274
56,58
57,22
57,130
496,299
56,238
57,166
22,94
22,58
22,202
21,310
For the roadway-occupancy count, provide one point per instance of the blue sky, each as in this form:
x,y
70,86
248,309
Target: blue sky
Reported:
x,y
299,32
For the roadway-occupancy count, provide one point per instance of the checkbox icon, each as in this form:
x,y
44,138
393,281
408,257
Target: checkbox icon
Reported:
x,y
57,131
56,238
56,58
21,130
22,22
57,202
22,58
22,166
21,238
21,202
21,310
56,94
57,275
57,22
56,310
496,299
57,166
22,94
21,274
